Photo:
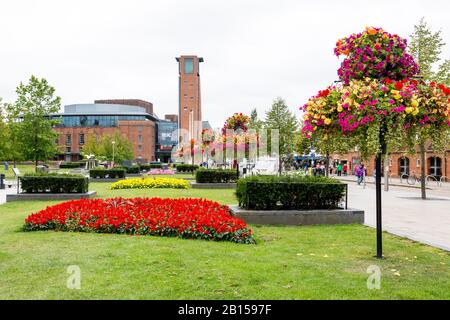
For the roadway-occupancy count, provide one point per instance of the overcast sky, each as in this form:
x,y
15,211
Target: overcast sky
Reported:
x,y
254,51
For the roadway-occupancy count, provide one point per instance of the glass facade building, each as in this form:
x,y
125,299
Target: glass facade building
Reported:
x,y
68,121
167,138
152,138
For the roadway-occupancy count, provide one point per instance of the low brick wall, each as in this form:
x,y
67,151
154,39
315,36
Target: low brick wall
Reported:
x,y
196,185
49,196
299,217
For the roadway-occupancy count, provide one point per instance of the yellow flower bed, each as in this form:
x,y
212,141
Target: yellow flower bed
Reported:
x,y
148,183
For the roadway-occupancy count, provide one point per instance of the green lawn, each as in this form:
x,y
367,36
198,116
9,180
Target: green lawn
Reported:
x,y
316,262
24,168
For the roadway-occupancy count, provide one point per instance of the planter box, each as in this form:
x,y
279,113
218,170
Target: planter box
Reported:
x,y
49,196
299,217
196,185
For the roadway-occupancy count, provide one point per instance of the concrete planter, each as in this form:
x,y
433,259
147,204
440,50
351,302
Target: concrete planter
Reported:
x,y
49,196
196,185
299,217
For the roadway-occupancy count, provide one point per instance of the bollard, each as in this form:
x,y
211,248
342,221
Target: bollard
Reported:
x,y
2,181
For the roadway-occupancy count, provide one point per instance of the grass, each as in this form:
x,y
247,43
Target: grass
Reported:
x,y
24,168
315,262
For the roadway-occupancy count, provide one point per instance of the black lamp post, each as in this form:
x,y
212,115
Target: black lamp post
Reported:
x,y
378,168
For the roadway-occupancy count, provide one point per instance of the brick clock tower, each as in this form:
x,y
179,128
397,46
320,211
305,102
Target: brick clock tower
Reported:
x,y
190,107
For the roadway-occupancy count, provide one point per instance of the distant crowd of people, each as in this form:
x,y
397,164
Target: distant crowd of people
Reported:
x,y
319,168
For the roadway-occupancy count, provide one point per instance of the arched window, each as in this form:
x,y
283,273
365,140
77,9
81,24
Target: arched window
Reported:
x,y
403,166
435,166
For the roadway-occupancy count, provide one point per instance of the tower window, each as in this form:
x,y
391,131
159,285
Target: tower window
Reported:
x,y
188,65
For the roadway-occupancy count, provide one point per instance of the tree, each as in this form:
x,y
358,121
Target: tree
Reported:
x,y
280,118
10,140
104,149
4,135
255,123
93,146
426,47
30,117
443,74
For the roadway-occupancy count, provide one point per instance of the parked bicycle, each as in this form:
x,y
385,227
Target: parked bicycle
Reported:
x,y
414,179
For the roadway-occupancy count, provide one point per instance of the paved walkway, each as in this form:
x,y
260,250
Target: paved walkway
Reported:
x,y
406,214
2,196
3,193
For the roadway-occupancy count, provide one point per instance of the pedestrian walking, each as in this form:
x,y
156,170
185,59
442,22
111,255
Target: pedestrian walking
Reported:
x,y
360,173
339,169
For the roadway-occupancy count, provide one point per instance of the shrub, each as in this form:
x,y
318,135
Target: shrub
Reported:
x,y
148,167
215,175
149,183
145,167
183,218
133,169
72,165
186,167
54,183
285,192
102,173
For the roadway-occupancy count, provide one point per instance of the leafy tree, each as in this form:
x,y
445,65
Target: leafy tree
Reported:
x,y
92,146
103,148
255,123
280,118
426,47
443,74
30,121
4,141
14,147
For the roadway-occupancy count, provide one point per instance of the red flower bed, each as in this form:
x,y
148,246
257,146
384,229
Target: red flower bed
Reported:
x,y
184,218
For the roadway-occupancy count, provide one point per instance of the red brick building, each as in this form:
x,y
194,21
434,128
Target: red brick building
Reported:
x,y
190,107
132,118
436,164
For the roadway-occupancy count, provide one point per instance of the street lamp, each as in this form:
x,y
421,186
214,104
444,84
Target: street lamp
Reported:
x,y
113,143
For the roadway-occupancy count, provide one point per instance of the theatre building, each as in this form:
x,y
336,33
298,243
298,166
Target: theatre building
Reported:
x,y
132,118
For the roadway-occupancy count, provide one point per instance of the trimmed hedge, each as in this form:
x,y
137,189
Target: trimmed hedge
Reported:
x,y
143,167
148,167
54,183
107,173
72,165
287,192
132,169
186,167
215,176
